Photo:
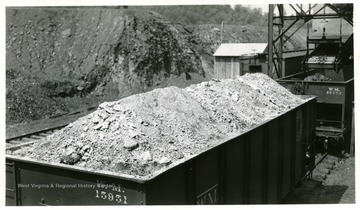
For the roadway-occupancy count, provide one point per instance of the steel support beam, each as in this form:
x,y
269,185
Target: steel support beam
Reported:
x,y
277,30
270,40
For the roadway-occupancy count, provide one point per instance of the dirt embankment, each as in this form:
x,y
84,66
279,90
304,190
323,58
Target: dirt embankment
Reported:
x,y
143,133
56,55
61,59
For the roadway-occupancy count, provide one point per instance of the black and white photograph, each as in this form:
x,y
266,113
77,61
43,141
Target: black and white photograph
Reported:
x,y
178,103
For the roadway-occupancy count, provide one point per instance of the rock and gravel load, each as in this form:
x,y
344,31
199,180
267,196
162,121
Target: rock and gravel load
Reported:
x,y
317,77
144,133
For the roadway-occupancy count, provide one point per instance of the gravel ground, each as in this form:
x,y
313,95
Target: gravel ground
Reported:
x,y
333,183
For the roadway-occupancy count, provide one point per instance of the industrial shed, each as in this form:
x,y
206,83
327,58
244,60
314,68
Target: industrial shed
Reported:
x,y
232,59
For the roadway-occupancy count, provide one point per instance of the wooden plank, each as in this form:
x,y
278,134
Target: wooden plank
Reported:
x,y
232,68
241,71
220,67
216,67
223,69
236,67
228,68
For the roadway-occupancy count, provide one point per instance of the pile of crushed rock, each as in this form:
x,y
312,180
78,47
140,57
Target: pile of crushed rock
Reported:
x,y
317,77
143,133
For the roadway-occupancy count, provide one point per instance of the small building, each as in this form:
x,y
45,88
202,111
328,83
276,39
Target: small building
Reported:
x,y
236,59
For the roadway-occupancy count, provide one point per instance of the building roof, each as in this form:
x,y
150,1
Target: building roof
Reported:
x,y
291,54
239,49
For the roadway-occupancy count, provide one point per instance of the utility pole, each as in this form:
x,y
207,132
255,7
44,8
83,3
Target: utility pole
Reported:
x,y
222,29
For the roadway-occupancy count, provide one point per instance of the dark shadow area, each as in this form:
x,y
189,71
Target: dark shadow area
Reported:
x,y
313,192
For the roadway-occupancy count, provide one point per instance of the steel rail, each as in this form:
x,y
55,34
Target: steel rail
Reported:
x,y
31,137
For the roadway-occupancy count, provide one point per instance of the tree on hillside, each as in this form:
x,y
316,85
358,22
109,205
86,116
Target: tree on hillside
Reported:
x,y
210,14
254,16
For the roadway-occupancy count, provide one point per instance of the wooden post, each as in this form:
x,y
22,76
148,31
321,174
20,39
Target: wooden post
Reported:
x,y
232,68
215,68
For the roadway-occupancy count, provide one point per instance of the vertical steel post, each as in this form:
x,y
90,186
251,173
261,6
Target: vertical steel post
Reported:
x,y
281,41
270,41
352,140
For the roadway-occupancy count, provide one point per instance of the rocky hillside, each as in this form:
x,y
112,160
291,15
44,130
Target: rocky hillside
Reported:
x,y
63,59
54,56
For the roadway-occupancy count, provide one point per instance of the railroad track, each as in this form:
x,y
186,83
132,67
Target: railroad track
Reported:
x,y
25,139
324,166
321,158
14,141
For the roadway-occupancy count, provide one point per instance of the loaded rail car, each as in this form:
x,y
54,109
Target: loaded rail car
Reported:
x,y
259,166
334,102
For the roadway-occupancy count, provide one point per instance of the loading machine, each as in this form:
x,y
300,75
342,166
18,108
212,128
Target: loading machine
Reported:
x,y
327,69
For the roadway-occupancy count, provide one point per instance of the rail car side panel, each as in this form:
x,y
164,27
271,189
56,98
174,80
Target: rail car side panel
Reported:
x,y
37,185
11,189
207,177
236,168
170,188
257,166
287,155
299,148
274,161
333,93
